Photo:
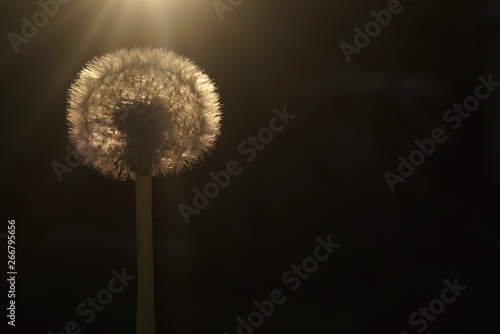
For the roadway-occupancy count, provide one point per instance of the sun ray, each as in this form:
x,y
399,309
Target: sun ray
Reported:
x,y
59,78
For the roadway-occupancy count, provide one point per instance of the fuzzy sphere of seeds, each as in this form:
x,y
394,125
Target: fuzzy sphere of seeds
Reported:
x,y
142,110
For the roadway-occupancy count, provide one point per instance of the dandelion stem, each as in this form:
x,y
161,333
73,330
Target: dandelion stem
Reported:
x,y
145,267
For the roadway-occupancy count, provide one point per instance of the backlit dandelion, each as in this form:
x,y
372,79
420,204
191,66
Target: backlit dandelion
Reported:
x,y
146,111
137,113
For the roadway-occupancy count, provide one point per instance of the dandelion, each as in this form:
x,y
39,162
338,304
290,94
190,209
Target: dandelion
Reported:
x,y
142,111
137,113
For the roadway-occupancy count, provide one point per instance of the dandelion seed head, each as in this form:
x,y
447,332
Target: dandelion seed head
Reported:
x,y
142,110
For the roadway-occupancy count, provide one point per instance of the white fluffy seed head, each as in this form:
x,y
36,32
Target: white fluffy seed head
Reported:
x,y
142,110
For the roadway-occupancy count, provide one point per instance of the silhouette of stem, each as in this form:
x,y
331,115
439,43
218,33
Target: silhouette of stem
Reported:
x,y
145,266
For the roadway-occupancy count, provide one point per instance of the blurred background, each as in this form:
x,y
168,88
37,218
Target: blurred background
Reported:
x,y
323,175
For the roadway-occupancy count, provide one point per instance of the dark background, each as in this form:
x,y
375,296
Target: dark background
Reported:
x,y
323,175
